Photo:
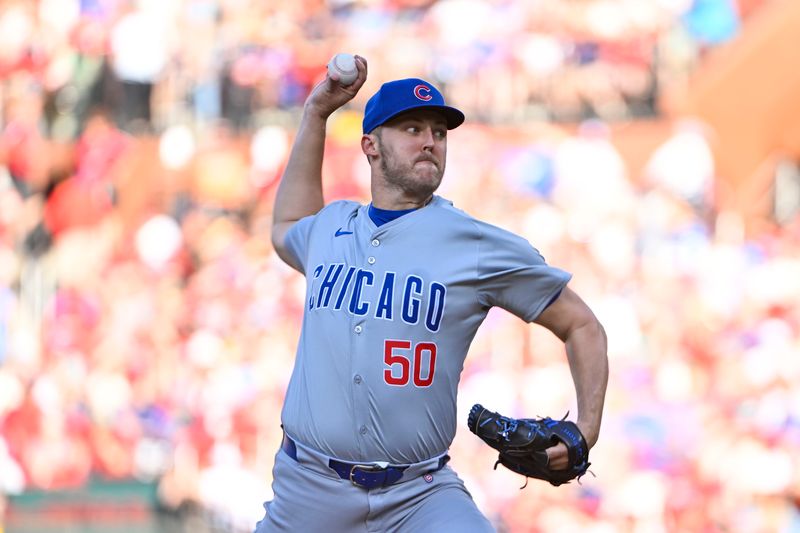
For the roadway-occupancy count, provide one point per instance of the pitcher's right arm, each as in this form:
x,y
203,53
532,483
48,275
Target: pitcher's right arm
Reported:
x,y
300,190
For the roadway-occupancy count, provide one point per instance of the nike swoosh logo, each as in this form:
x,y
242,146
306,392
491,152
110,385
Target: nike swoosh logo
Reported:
x,y
339,233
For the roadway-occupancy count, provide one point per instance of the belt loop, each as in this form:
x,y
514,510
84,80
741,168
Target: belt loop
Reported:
x,y
288,446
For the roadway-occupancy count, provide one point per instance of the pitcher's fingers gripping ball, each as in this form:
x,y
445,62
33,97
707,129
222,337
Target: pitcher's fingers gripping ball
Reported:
x,y
522,444
342,68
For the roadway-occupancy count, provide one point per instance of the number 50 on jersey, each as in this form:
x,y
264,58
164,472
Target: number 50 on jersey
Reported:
x,y
405,363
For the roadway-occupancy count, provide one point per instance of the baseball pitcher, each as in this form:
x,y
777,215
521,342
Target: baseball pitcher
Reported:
x,y
396,290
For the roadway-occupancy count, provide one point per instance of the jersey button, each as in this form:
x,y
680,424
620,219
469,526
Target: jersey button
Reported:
x,y
357,379
363,430
375,242
357,329
371,260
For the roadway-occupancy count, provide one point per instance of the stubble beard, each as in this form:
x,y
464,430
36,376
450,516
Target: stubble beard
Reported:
x,y
404,177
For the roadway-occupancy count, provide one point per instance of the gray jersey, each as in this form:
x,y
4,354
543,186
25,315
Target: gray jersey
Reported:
x,y
390,313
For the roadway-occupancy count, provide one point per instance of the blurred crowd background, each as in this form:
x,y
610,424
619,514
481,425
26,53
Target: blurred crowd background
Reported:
x,y
147,328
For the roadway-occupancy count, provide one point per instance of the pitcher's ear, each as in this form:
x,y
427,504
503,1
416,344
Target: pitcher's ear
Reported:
x,y
369,144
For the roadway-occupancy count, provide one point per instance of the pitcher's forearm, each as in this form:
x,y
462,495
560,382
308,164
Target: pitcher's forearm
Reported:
x,y
300,191
586,350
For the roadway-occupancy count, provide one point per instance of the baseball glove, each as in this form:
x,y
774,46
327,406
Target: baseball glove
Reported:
x,y
522,444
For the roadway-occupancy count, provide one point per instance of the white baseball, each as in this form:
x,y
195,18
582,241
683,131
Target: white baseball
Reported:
x,y
345,66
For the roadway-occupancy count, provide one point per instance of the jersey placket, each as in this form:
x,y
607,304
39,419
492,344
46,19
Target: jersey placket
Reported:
x,y
359,385
360,345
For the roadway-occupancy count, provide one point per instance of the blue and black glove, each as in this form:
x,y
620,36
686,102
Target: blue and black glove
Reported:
x,y
522,444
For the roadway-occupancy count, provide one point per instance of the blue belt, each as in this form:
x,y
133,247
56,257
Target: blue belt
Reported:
x,y
368,476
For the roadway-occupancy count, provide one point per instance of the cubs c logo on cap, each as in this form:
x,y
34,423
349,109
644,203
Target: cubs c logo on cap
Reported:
x,y
423,92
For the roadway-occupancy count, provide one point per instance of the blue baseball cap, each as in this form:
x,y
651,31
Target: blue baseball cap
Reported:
x,y
395,97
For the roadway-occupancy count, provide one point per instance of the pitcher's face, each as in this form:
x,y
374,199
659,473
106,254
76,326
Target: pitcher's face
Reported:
x,y
412,151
